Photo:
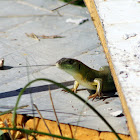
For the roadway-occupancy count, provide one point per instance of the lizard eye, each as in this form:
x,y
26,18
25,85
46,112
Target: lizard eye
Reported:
x,y
71,61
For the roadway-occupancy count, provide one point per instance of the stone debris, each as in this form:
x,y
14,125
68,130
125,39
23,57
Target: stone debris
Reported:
x,y
1,63
118,113
77,21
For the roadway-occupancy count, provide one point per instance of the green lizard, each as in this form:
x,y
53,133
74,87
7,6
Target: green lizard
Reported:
x,y
100,80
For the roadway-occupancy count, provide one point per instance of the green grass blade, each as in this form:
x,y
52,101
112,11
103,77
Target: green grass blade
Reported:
x,y
29,132
61,86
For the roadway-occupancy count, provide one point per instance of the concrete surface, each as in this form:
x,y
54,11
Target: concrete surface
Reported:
x,y
27,59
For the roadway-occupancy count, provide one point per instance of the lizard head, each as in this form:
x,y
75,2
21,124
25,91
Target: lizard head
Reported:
x,y
69,65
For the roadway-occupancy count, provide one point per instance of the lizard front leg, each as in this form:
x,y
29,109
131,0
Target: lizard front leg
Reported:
x,y
99,83
75,86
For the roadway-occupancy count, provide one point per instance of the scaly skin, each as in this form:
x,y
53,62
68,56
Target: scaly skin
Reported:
x,y
99,80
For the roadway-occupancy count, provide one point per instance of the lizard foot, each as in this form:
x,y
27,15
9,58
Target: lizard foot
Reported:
x,y
72,89
94,96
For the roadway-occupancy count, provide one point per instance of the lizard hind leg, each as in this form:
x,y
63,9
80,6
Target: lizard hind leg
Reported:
x,y
98,82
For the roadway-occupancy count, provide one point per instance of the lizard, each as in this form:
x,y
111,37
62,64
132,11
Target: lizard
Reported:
x,y
100,80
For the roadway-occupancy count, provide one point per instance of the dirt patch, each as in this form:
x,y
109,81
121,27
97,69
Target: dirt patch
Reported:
x,y
70,131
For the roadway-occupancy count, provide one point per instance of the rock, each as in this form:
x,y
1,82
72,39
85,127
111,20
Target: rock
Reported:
x,y
118,113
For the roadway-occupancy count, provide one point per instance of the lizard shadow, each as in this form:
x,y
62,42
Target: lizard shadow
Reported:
x,y
35,89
